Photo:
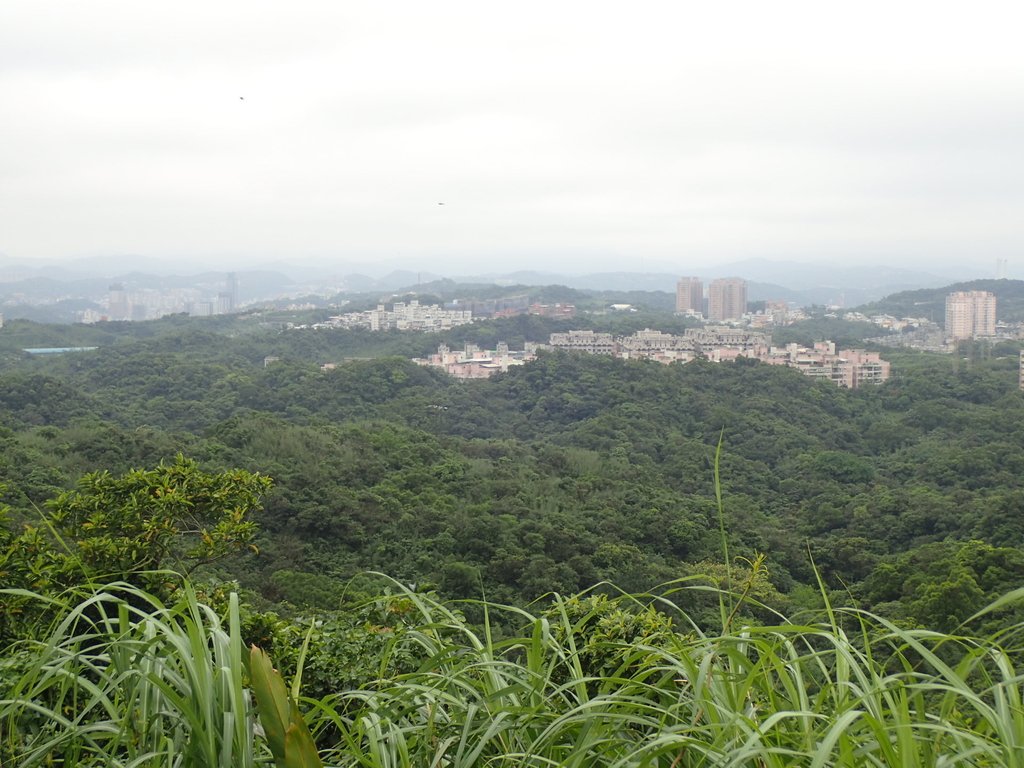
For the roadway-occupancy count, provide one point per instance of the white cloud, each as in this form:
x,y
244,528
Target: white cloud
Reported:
x,y
707,130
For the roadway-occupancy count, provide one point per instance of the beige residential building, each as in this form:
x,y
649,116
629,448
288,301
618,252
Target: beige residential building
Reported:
x,y
655,345
727,298
584,341
850,368
750,343
475,363
690,296
970,314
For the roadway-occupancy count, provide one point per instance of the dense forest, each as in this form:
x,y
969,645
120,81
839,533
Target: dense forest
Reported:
x,y
562,473
176,445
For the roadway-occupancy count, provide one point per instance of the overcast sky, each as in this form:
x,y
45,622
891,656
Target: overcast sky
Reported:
x,y
560,135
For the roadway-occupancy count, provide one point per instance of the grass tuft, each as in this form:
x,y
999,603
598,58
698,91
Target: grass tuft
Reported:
x,y
126,681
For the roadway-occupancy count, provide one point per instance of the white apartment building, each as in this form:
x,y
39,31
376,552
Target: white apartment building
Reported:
x,y
404,317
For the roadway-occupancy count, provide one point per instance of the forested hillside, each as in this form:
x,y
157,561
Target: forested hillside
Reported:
x,y
560,474
809,567
930,303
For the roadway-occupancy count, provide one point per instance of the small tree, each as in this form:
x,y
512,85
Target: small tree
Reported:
x,y
174,516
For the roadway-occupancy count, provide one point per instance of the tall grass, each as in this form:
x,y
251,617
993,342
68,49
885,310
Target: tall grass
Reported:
x,y
125,681
782,695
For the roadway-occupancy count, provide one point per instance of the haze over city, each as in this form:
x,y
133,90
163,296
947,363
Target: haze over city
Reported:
x,y
468,138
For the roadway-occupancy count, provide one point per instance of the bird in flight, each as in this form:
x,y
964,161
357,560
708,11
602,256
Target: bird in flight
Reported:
x,y
241,98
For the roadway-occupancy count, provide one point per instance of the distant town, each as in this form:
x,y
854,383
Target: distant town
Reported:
x,y
969,315
724,300
729,327
845,368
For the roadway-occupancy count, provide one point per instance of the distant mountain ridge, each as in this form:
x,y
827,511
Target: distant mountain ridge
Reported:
x,y
799,283
766,280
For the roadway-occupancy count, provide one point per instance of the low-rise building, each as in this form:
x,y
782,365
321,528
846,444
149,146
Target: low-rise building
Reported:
x,y
474,363
656,345
559,310
508,306
727,337
584,341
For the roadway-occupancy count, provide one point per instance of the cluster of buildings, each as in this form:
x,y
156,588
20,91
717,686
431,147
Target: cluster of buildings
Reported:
x,y
413,316
969,315
557,310
727,298
845,368
403,316
471,362
512,306
150,304
850,368
726,302
714,343
508,306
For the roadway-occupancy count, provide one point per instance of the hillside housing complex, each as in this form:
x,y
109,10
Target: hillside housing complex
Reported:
x,y
402,316
845,368
850,368
472,362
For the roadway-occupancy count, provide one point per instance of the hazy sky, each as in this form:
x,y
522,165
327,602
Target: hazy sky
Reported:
x,y
565,135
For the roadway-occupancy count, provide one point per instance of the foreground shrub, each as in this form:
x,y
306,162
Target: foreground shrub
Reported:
x,y
125,681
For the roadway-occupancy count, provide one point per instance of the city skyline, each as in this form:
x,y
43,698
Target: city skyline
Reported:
x,y
571,137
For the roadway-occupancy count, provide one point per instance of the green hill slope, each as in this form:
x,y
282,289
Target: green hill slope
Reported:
x,y
931,302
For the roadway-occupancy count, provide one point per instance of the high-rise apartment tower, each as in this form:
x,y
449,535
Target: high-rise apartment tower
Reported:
x,y
970,314
118,305
690,295
227,301
727,298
